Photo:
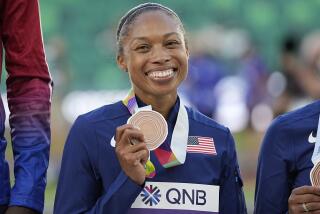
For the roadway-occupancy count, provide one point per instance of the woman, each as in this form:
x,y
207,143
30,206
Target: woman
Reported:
x,y
285,161
95,177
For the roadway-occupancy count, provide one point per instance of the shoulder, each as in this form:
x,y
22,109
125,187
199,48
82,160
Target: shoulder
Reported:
x,y
292,120
98,126
102,120
104,113
201,125
290,131
203,121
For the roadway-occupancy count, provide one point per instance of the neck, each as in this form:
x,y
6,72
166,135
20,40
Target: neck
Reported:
x,y
164,106
161,104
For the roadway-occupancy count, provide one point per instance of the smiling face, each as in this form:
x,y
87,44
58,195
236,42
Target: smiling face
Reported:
x,y
155,55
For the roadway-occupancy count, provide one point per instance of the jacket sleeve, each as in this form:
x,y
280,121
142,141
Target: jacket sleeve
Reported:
x,y
28,93
231,194
273,180
80,189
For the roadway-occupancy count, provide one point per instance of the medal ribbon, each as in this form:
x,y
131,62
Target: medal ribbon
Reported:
x,y
168,156
316,151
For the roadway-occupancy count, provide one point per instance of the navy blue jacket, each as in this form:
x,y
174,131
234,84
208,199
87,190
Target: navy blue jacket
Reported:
x,y
285,158
91,179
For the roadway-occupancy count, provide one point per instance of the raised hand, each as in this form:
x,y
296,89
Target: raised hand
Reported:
x,y
304,199
132,152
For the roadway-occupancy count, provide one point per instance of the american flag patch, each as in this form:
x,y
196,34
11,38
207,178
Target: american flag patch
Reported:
x,y
204,145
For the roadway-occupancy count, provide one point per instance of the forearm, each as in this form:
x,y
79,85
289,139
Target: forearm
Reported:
x,y
31,143
29,93
29,104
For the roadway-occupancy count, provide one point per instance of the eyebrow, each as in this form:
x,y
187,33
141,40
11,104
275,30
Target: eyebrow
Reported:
x,y
166,35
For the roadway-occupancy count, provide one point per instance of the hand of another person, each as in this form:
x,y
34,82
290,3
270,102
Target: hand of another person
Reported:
x,y
304,199
20,210
132,152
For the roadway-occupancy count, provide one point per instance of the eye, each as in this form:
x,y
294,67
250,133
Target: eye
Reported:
x,y
143,48
172,43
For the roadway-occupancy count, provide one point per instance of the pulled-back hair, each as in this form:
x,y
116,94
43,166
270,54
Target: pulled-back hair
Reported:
x,y
127,20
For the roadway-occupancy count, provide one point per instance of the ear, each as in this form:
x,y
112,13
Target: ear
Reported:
x,y
187,52
187,49
121,63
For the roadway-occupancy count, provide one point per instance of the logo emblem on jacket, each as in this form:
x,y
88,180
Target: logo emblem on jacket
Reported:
x,y
150,195
312,138
204,145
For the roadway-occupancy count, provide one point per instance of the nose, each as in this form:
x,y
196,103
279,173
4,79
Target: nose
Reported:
x,y
160,55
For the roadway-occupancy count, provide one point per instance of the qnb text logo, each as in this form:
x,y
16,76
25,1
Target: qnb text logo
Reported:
x,y
184,196
178,196
150,195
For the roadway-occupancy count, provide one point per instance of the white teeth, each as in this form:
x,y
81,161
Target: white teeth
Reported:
x,y
161,74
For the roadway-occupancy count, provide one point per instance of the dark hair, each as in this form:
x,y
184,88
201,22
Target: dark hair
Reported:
x,y
131,15
291,43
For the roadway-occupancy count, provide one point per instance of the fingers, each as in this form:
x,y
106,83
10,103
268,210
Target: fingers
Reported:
x,y
306,198
120,130
304,194
138,153
127,135
141,157
137,147
306,190
144,156
133,152
313,206
133,157
297,200
303,199
295,208
128,149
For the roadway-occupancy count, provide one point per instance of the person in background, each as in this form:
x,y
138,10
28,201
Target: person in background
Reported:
x,y
300,67
285,161
198,90
29,87
103,171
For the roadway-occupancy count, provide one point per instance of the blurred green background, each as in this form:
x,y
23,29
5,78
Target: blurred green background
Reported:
x,y
80,43
87,30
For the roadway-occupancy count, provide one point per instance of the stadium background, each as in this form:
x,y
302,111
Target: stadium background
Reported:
x,y
79,39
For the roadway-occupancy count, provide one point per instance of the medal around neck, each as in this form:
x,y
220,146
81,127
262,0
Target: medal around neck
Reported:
x,y
153,126
315,175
